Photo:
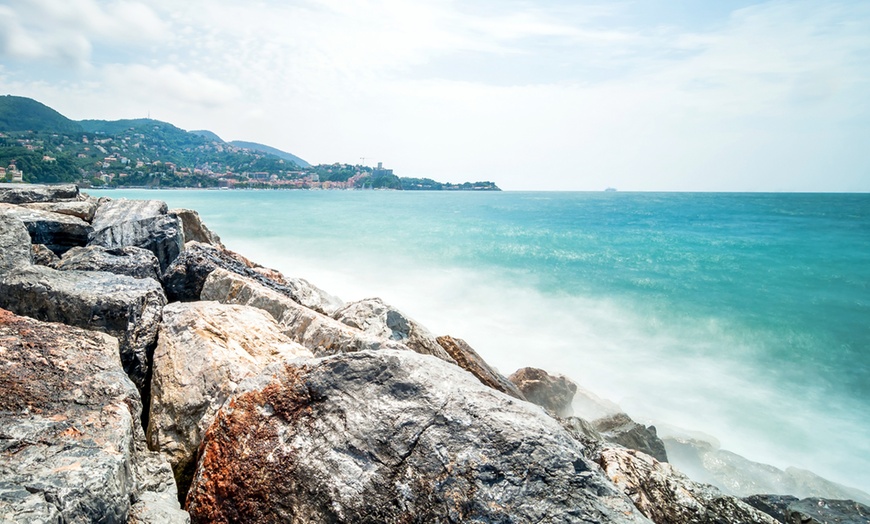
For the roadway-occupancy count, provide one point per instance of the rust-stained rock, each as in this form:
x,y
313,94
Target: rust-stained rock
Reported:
x,y
204,350
194,228
122,306
71,447
552,392
319,333
667,496
468,359
392,436
376,318
58,232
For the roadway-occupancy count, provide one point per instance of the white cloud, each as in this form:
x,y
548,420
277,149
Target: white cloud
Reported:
x,y
167,84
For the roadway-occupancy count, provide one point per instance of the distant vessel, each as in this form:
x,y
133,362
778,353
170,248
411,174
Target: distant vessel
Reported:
x,y
610,189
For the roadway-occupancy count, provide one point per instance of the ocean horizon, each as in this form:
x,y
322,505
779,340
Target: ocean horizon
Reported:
x,y
740,316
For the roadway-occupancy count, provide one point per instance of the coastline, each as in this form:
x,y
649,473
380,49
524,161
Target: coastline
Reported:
x,y
294,289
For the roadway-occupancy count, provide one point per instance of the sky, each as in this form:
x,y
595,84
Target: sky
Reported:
x,y
655,95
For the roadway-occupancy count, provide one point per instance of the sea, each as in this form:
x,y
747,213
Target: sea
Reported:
x,y
741,316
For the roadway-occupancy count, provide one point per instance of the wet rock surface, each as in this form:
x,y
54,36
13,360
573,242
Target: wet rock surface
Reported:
x,y
552,392
392,437
205,350
467,358
132,261
68,426
57,232
122,306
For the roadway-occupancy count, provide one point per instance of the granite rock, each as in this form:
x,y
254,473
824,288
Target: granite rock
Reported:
x,y
122,306
467,358
132,261
667,496
374,317
392,436
26,193
552,392
204,350
58,232
111,213
83,209
194,229
14,243
161,235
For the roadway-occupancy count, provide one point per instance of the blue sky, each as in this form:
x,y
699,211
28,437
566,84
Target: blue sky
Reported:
x,y
638,95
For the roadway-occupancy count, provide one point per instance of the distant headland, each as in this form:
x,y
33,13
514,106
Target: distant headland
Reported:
x,y
40,145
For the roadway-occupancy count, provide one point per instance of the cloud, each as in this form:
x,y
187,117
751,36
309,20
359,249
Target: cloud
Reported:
x,y
168,83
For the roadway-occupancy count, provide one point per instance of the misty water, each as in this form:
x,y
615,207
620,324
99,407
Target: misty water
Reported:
x,y
742,316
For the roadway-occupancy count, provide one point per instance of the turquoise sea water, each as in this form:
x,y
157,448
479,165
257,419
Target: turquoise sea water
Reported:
x,y
743,316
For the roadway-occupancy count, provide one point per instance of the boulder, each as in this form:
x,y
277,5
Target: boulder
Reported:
x,y
791,510
26,193
667,496
552,392
621,429
392,436
319,333
204,350
121,306
71,447
131,261
83,209
14,243
467,358
373,317
42,256
58,232
111,213
194,229
161,235
184,278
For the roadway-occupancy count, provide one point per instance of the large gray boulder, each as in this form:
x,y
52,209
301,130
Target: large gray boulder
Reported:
x,y
111,213
162,235
71,446
122,306
374,317
392,436
25,193
667,496
467,358
58,232
14,243
194,228
204,350
131,261
552,392
319,333
83,209
791,510
621,429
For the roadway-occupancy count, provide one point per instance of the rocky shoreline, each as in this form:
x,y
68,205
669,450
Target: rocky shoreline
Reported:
x,y
152,375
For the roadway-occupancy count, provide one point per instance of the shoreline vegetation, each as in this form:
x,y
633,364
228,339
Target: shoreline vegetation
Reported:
x,y
39,145
153,375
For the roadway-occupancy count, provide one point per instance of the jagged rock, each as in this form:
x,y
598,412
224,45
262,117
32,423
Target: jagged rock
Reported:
x,y
157,500
161,235
194,229
83,209
70,441
373,317
14,243
26,193
620,429
204,350
114,212
791,510
42,256
552,392
667,496
467,358
392,436
184,279
736,475
131,261
58,232
319,333
121,306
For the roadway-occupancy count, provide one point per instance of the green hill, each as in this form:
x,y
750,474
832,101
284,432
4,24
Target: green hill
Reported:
x,y
18,113
253,146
